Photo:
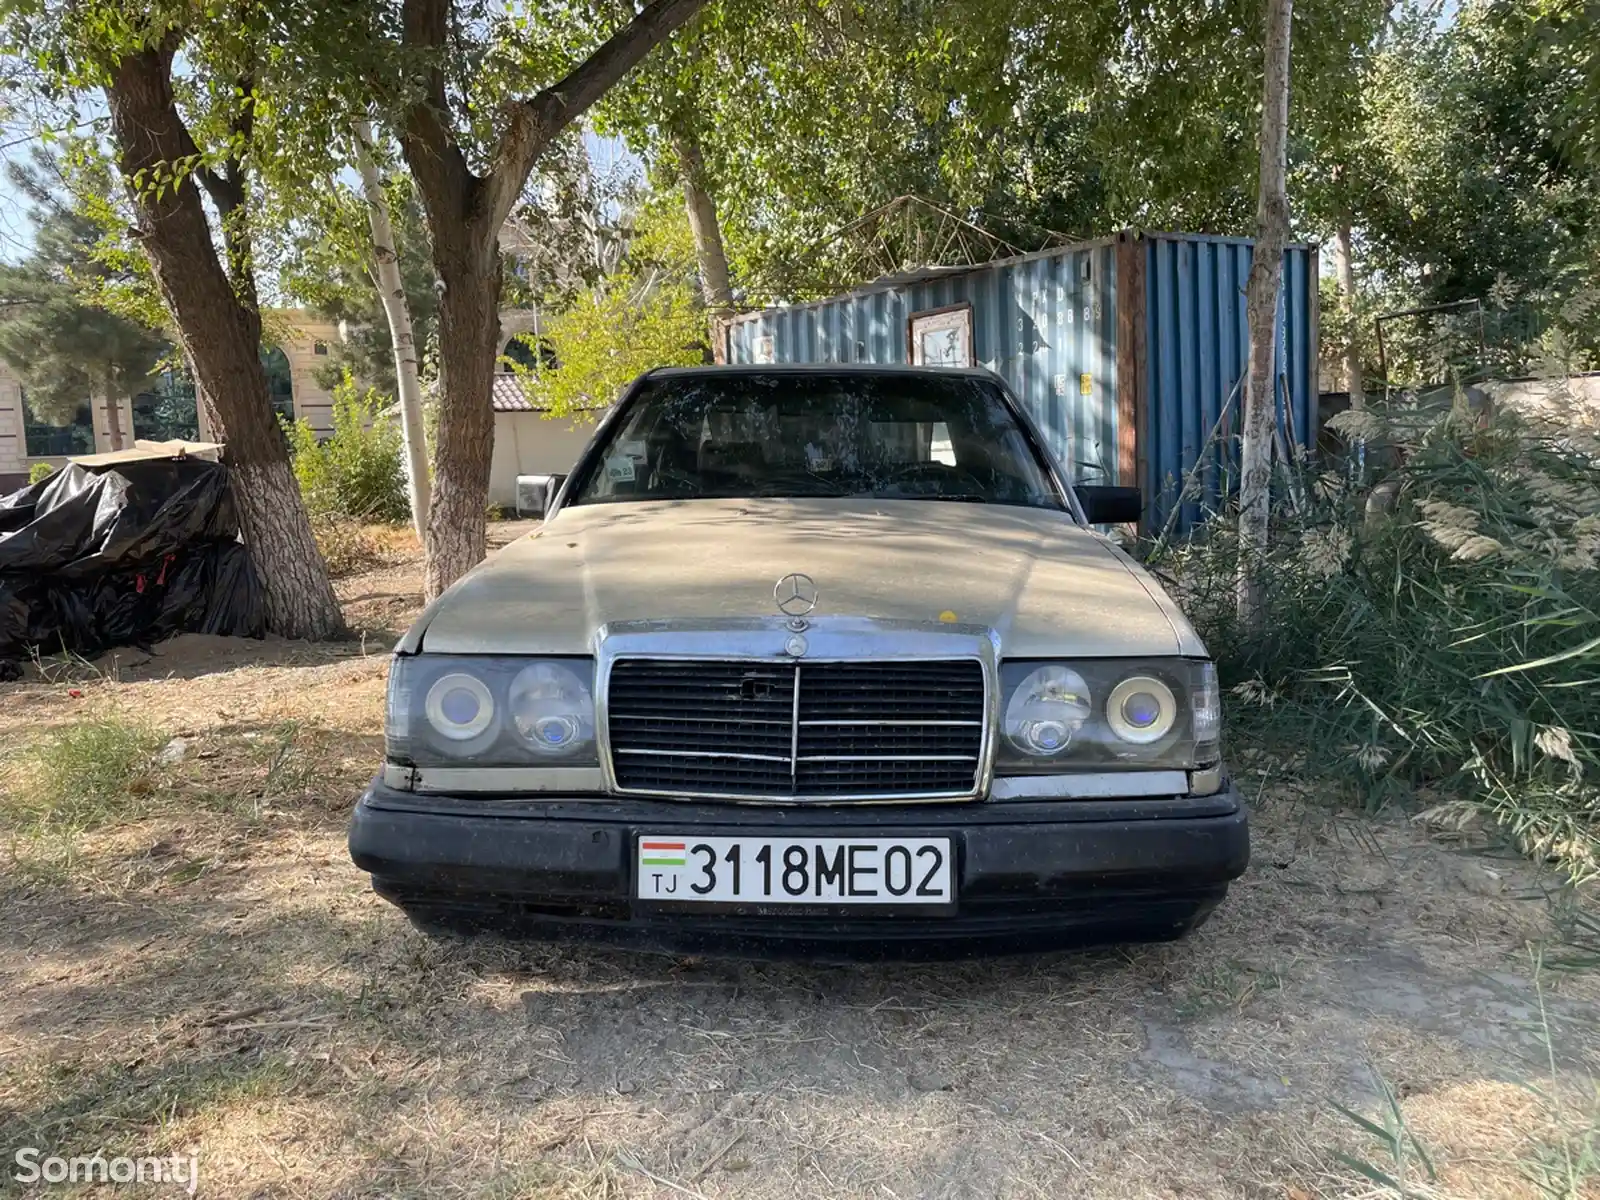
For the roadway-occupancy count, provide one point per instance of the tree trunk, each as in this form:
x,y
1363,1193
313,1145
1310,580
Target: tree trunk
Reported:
x,y
1344,271
702,210
469,345
465,212
1261,307
221,338
393,295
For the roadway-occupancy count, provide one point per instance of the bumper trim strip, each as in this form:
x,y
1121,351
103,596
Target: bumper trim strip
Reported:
x,y
1102,785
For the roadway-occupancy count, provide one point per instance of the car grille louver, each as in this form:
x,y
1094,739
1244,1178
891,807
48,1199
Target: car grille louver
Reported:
x,y
737,729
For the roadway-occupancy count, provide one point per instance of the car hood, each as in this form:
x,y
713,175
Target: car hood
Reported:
x,y
1046,586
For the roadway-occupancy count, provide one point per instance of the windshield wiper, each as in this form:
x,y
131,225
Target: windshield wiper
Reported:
x,y
966,497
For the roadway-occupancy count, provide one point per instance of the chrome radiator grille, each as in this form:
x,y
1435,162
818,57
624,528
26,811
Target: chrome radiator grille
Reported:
x,y
809,730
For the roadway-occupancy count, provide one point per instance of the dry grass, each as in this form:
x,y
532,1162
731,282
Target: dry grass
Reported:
x,y
206,970
350,547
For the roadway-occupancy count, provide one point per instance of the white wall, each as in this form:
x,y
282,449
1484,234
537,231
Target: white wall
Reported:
x,y
1576,399
13,449
528,443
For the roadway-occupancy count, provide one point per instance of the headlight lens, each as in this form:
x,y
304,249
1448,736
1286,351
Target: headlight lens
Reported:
x,y
459,706
461,711
551,709
1046,710
1141,709
1109,714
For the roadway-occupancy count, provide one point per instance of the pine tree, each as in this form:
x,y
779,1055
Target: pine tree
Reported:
x,y
67,350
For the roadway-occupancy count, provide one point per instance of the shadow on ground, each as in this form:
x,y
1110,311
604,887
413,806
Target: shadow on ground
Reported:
x,y
278,1017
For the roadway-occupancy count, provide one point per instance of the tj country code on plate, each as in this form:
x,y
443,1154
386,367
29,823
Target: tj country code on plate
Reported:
x,y
795,870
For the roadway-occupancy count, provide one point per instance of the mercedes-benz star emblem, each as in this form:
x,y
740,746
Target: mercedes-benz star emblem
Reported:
x,y
796,595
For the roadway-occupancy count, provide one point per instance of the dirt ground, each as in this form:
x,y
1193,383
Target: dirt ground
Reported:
x,y
207,973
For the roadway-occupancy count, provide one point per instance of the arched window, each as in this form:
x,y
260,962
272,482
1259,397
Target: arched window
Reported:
x,y
519,352
44,438
167,410
280,381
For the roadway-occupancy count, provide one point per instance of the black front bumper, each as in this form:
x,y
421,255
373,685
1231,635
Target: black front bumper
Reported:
x,y
1028,875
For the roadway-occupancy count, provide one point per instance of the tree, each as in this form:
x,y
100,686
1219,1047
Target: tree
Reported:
x,y
701,208
173,136
448,72
573,225
660,111
1261,306
1487,194
1037,121
391,291
328,266
216,309
66,349
646,314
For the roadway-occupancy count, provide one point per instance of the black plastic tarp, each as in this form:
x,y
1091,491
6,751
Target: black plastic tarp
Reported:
x,y
123,555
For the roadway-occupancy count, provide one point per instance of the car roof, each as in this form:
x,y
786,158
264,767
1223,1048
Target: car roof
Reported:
x,y
816,369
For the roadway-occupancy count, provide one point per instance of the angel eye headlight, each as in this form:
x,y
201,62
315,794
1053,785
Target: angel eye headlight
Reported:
x,y
551,709
459,706
1046,710
1141,710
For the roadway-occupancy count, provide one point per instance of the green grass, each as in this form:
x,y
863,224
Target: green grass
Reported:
x,y
1227,987
1562,1159
80,778
1402,1167
80,1107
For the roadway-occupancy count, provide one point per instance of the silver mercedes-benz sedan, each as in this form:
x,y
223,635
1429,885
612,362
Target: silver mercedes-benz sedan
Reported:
x,y
809,659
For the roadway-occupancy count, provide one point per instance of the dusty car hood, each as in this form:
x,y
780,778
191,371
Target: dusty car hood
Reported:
x,y
1046,586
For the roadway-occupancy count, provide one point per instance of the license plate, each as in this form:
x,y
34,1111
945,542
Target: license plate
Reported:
x,y
720,870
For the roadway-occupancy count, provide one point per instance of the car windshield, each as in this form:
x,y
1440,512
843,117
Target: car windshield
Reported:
x,y
884,436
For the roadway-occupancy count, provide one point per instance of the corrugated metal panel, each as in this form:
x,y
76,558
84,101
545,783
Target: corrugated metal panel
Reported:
x,y
1198,350
1043,322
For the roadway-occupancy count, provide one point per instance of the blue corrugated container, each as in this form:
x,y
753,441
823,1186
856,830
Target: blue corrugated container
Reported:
x,y
1124,349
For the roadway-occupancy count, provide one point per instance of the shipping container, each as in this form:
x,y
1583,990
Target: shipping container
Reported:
x,y
1124,349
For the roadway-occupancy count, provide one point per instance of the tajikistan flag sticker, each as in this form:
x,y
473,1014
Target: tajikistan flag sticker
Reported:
x,y
662,854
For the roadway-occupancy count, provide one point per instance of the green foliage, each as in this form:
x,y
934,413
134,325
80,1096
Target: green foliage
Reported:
x,y
327,266
40,471
646,315
1477,188
1033,119
64,344
1447,651
357,472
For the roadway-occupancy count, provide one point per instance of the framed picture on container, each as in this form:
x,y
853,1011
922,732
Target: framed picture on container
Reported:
x,y
942,337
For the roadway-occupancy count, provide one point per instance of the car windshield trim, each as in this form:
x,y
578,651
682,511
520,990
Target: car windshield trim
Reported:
x,y
867,435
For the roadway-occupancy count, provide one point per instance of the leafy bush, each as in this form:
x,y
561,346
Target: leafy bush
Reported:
x,y
40,471
357,473
1446,648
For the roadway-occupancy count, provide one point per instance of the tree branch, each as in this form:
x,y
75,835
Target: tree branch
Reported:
x,y
430,149
535,122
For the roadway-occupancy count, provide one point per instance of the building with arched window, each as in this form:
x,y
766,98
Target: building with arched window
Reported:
x,y
527,442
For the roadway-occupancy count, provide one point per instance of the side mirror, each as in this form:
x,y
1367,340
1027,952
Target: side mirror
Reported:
x,y
1110,505
536,494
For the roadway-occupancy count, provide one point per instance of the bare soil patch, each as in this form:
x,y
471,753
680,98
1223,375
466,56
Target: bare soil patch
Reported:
x,y
207,970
